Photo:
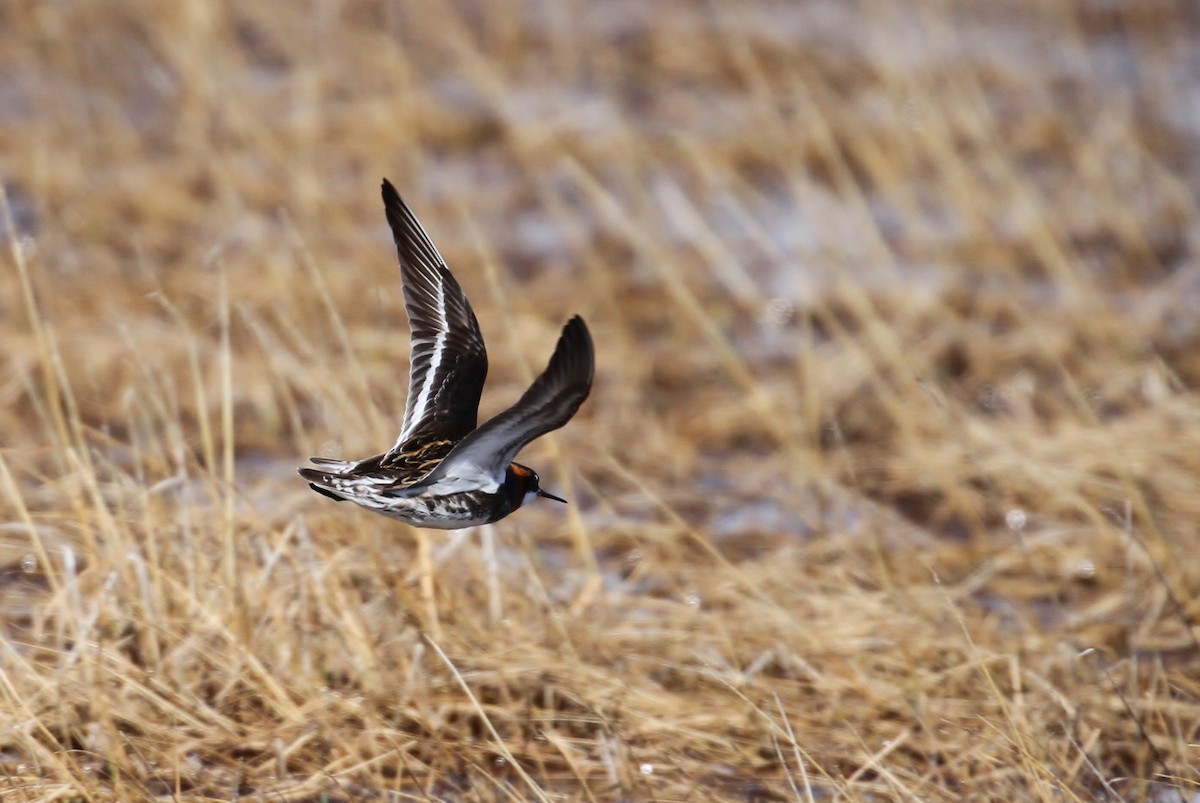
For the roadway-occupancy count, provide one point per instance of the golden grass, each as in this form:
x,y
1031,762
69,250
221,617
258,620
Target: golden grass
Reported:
x,y
888,488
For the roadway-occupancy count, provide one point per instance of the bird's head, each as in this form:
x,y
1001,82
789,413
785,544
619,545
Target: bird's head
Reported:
x,y
522,484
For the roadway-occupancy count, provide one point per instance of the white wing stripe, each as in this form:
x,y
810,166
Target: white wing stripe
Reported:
x,y
427,381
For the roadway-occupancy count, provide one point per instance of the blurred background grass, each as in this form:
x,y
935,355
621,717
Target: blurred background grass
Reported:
x,y
888,487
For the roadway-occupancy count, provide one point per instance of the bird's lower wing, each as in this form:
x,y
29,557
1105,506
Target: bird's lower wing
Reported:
x,y
480,459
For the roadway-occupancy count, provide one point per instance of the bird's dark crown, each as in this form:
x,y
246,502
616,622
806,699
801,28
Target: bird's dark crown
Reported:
x,y
522,482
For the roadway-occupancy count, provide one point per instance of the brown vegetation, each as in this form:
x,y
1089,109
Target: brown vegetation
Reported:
x,y
888,489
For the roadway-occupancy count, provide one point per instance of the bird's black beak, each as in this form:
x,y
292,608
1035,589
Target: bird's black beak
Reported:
x,y
551,496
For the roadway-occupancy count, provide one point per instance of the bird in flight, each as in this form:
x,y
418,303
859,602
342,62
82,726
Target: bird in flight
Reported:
x,y
444,472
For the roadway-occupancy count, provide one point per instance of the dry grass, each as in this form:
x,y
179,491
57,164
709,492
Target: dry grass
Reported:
x,y
888,488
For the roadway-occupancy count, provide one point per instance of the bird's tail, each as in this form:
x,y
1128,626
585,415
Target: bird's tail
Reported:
x,y
332,465
322,482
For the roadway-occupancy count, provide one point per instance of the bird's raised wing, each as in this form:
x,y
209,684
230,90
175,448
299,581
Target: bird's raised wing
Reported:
x,y
448,363
480,459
